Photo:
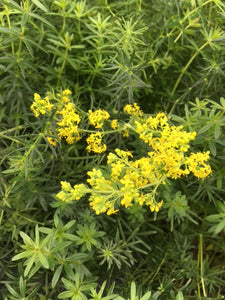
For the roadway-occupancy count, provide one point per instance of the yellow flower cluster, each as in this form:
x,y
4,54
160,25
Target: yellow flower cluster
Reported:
x,y
64,97
114,124
68,194
94,142
133,110
133,177
196,164
98,117
50,137
41,106
68,125
169,145
101,199
66,118
130,181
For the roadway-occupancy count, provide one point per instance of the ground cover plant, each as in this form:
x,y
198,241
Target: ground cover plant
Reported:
x,y
112,149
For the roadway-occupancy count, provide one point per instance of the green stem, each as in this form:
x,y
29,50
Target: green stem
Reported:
x,y
11,129
200,265
63,63
183,72
187,66
9,25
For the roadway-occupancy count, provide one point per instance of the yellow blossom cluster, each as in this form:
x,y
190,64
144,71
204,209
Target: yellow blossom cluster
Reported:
x,y
66,118
114,124
68,125
102,194
41,106
133,110
128,181
98,117
133,177
169,144
95,144
65,96
68,194
196,164
124,185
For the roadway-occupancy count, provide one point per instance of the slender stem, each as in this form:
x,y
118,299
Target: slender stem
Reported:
x,y
187,66
200,265
63,63
9,25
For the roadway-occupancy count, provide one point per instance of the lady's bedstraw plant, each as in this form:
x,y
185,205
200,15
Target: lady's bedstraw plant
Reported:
x,y
126,180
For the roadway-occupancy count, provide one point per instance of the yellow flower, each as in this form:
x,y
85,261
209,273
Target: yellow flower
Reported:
x,y
68,194
52,141
68,126
98,117
156,206
71,134
67,92
116,169
196,164
41,106
98,203
114,124
125,133
133,110
94,142
123,154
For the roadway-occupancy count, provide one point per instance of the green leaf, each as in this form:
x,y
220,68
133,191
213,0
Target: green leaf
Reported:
x,y
43,260
14,5
217,131
21,255
56,275
221,206
22,286
36,16
222,101
7,30
29,265
213,218
26,239
180,296
68,284
37,236
12,291
220,227
146,296
133,291
71,237
34,270
69,224
212,148
60,246
65,295
40,5
28,46
205,128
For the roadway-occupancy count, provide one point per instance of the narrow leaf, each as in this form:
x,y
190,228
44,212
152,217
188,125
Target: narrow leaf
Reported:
x,y
7,30
29,265
56,275
21,255
43,260
40,5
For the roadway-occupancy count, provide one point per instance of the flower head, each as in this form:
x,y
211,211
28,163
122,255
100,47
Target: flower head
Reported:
x,y
98,117
41,106
94,142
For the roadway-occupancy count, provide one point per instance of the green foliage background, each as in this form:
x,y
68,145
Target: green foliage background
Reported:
x,y
166,56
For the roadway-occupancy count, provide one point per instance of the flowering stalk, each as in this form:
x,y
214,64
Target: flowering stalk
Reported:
x,y
127,181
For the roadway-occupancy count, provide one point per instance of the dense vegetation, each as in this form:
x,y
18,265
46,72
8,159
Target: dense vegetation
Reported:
x,y
112,149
